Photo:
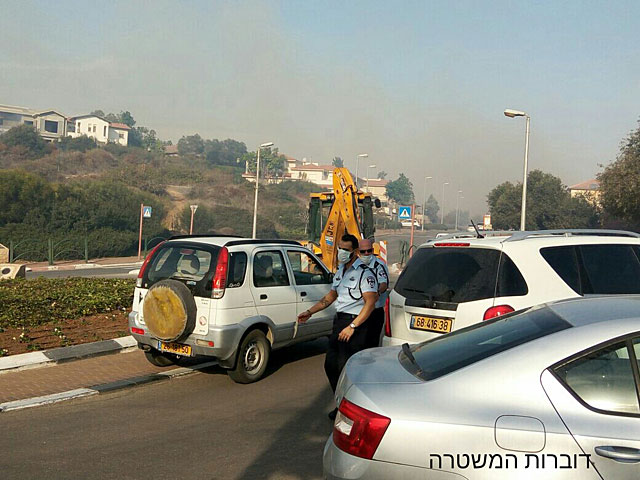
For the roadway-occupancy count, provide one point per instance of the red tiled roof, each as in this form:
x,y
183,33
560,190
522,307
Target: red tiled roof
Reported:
x,y
592,184
121,126
378,182
170,149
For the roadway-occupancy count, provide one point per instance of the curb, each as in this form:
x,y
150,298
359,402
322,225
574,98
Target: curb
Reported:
x,y
104,388
81,266
55,355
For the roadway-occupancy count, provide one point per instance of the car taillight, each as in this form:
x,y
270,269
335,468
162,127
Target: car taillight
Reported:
x,y
497,311
387,318
139,331
220,278
145,264
358,431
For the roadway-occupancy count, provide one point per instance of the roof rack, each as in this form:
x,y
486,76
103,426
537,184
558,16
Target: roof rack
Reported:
x,y
250,241
206,235
472,235
570,232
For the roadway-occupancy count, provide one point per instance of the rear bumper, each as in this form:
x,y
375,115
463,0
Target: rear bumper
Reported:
x,y
339,465
225,340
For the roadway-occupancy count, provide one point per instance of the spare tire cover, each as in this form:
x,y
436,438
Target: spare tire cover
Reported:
x,y
169,310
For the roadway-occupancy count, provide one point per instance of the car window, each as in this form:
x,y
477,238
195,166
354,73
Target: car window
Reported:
x,y
193,265
306,269
610,269
450,274
449,353
511,283
269,269
564,262
603,379
237,269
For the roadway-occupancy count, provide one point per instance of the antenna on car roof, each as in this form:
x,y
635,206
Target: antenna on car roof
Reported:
x,y
476,229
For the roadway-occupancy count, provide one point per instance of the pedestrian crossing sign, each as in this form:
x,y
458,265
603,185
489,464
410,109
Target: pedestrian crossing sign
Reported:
x,y
404,212
146,212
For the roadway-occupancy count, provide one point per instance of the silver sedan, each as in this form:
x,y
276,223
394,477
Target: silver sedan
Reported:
x,y
551,392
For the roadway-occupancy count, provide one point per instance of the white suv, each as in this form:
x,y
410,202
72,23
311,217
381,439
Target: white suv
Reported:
x,y
451,283
230,298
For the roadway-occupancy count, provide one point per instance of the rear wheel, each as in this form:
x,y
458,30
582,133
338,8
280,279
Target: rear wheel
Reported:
x,y
161,359
253,356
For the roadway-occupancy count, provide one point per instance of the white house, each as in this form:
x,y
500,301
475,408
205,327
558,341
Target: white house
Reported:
x,y
49,124
100,129
312,172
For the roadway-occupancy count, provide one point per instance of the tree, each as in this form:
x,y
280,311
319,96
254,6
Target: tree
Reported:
x,y
382,174
77,144
271,162
337,162
620,182
25,136
25,198
225,152
191,145
549,205
400,190
432,208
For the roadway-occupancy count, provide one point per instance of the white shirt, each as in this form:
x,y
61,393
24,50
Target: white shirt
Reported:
x,y
350,286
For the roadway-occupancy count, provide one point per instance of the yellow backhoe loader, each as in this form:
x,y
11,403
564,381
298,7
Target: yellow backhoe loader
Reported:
x,y
332,214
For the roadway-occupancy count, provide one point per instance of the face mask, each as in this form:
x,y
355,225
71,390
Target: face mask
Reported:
x,y
366,259
344,255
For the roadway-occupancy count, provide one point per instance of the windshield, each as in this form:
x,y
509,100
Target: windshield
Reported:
x,y
456,350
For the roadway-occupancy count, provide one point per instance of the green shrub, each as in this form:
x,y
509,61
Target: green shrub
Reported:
x,y
29,303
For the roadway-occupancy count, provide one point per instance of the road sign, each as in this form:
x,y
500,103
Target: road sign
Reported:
x,y
146,212
404,212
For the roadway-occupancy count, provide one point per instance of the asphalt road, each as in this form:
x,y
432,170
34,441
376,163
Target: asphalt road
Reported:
x,y
202,426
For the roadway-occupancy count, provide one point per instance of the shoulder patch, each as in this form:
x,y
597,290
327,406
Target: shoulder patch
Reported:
x,y
371,281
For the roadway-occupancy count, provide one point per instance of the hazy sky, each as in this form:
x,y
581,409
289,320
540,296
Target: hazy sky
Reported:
x,y
418,85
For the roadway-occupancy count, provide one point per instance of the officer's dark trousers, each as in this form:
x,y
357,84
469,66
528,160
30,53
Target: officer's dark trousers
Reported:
x,y
376,322
339,352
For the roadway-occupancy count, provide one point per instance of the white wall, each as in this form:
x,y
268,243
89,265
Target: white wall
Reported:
x,y
87,125
114,136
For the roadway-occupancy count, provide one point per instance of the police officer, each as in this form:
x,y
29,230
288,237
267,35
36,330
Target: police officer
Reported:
x,y
379,268
354,290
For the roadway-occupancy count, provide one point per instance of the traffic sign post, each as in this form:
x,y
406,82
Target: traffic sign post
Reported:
x,y
193,212
145,212
413,217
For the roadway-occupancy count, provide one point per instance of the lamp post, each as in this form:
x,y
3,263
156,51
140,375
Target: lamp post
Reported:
x,y
458,197
255,201
368,167
442,213
511,114
424,200
362,155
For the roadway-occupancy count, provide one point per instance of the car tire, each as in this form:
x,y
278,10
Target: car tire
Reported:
x,y
160,359
169,311
253,356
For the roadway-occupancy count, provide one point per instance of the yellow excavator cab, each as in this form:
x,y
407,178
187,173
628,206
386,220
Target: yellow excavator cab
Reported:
x,y
332,214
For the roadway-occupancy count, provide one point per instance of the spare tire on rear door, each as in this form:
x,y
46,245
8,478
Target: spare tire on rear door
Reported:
x,y
169,310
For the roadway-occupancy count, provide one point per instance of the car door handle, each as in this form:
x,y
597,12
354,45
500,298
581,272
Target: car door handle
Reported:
x,y
263,296
621,454
303,294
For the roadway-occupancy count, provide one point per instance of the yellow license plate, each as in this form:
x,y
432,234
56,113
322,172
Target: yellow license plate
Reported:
x,y
177,348
431,324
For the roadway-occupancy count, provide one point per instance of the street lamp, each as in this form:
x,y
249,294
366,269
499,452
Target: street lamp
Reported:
x,y
362,155
511,114
424,200
442,213
368,167
255,201
458,197
193,212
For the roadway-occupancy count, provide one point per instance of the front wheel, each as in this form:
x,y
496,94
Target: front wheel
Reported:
x,y
160,359
253,356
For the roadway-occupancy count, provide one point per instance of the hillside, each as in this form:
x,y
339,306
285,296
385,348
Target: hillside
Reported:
x,y
96,193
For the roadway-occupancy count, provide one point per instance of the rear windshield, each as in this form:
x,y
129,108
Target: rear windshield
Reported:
x,y
192,265
597,269
450,274
451,352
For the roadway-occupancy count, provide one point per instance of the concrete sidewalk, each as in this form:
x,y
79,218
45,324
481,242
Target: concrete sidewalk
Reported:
x,y
79,264
28,381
